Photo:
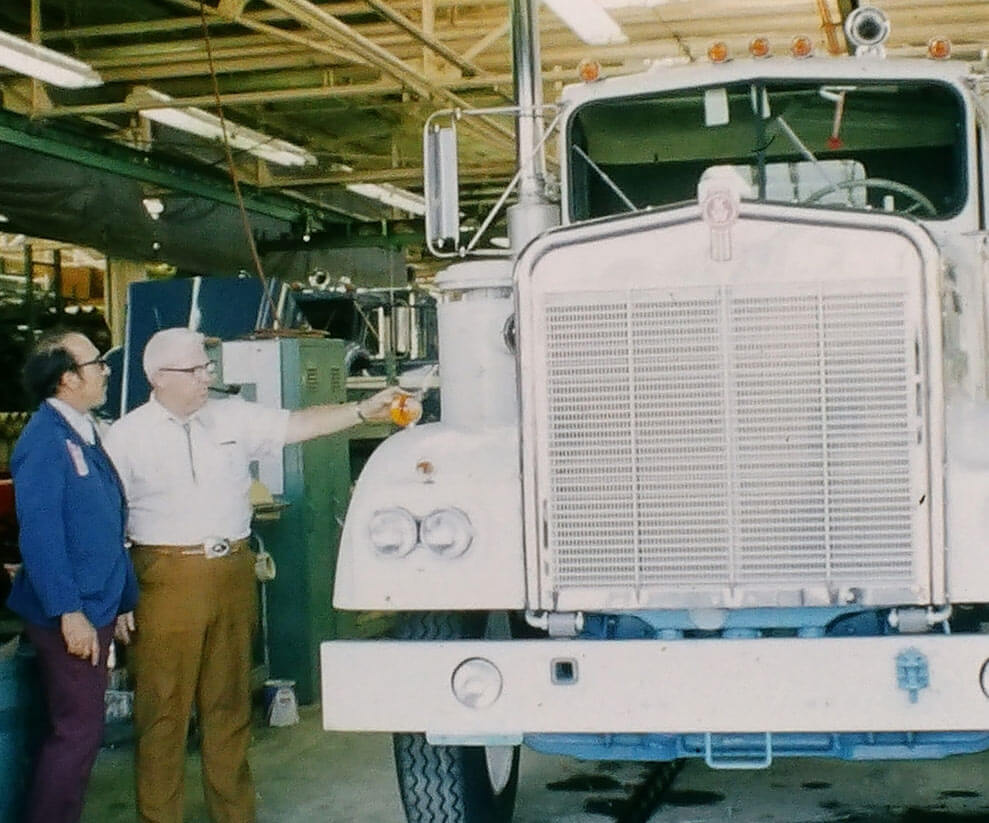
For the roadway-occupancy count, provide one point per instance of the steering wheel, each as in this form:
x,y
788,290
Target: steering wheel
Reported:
x,y
919,200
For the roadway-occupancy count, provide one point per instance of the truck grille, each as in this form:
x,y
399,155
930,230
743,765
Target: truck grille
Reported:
x,y
730,437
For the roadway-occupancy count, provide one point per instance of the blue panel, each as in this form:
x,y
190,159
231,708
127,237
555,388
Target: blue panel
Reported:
x,y
840,621
845,746
225,307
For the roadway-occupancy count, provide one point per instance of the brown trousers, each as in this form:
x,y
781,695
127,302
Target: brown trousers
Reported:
x,y
195,622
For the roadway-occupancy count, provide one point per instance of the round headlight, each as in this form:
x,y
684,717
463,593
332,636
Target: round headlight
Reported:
x,y
393,532
447,532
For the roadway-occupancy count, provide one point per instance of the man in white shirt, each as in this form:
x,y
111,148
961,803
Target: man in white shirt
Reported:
x,y
184,461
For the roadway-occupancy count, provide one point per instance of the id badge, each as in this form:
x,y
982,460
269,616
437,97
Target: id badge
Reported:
x,y
78,459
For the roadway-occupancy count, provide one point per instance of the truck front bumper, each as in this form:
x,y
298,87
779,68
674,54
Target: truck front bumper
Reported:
x,y
487,691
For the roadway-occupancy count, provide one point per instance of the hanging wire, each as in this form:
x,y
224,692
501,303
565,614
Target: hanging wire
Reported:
x,y
258,268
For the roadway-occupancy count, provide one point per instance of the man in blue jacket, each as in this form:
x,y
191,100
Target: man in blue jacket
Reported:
x,y
77,587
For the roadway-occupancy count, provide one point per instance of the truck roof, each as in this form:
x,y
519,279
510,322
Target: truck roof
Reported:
x,y
660,77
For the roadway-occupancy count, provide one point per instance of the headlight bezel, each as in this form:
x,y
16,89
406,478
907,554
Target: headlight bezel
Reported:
x,y
394,517
448,519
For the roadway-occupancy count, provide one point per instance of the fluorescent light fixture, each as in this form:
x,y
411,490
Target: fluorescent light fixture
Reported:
x,y
202,123
589,21
24,57
391,196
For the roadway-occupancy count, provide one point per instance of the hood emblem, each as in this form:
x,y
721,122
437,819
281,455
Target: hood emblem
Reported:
x,y
719,208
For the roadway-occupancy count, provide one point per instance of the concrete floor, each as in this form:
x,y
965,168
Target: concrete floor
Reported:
x,y
305,775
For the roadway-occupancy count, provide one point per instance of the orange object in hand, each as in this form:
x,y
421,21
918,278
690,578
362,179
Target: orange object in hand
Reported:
x,y
405,410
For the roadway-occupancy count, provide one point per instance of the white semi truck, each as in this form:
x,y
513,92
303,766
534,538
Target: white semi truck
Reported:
x,y
712,475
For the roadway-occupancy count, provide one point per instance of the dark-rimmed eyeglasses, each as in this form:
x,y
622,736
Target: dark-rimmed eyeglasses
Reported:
x,y
96,361
202,370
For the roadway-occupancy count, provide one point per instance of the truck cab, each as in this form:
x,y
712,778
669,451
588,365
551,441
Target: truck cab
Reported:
x,y
711,475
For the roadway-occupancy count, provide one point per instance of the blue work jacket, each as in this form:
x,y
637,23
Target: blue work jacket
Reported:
x,y
72,515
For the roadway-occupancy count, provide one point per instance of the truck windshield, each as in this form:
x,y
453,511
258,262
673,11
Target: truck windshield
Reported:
x,y
896,145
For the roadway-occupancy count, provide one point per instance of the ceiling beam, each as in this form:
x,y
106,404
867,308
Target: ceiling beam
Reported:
x,y
272,31
143,27
317,20
403,22
489,39
378,88
406,175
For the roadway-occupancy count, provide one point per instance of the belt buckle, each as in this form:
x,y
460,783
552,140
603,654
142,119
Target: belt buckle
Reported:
x,y
216,547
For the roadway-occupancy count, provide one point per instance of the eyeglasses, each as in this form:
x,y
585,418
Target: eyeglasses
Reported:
x,y
202,370
96,361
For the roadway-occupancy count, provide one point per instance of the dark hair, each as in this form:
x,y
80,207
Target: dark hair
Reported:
x,y
46,364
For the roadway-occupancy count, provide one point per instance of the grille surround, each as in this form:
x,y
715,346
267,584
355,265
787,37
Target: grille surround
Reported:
x,y
776,448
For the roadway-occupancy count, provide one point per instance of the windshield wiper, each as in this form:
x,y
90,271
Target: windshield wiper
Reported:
x,y
603,175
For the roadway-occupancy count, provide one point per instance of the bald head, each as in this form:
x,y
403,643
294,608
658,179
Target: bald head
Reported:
x,y
172,347
178,370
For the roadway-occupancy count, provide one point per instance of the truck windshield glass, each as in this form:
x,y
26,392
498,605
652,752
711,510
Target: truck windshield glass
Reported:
x,y
897,146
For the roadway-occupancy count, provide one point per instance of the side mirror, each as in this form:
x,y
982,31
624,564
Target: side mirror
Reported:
x,y
441,187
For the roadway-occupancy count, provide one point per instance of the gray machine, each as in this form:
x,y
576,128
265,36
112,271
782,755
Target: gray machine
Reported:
x,y
309,485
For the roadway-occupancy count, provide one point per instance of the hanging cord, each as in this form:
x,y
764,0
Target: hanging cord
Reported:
x,y
258,268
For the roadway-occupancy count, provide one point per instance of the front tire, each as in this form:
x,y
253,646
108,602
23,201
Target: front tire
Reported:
x,y
453,784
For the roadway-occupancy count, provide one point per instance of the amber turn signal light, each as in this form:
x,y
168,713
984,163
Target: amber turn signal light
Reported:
x,y
405,410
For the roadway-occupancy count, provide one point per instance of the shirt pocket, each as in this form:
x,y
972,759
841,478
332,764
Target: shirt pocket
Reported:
x,y
164,464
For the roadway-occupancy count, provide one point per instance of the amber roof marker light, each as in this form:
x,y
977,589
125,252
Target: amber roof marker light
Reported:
x,y
589,70
801,46
759,47
939,48
718,52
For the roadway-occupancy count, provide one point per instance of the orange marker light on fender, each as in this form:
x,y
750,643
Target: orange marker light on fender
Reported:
x,y
801,46
718,52
759,47
405,410
939,48
588,70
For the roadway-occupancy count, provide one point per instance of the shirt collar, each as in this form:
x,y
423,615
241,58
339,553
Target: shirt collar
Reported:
x,y
82,423
164,414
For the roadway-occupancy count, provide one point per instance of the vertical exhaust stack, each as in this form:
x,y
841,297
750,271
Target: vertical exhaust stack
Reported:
x,y
477,362
533,213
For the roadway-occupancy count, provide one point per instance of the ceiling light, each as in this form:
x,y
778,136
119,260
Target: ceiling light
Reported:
x,y
153,206
46,64
391,196
202,123
589,21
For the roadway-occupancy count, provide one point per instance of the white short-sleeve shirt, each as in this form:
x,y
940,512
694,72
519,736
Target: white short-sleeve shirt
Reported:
x,y
189,480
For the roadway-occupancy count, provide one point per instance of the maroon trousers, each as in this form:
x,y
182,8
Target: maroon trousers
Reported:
x,y
74,693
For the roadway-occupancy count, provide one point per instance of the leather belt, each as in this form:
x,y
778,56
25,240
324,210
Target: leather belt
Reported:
x,y
210,548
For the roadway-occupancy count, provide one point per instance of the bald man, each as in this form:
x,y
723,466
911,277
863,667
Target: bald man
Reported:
x,y
184,460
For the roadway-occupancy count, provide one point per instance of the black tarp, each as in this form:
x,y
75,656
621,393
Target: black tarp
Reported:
x,y
44,196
